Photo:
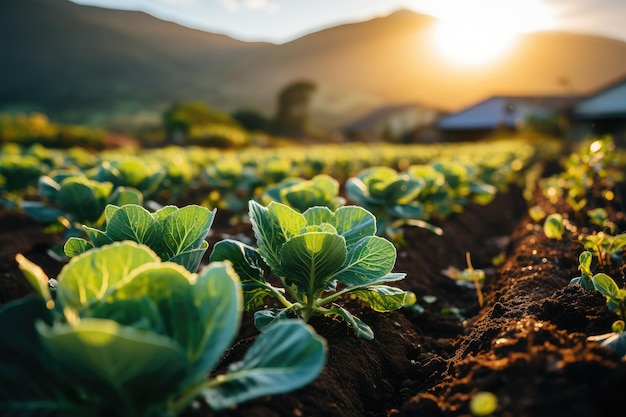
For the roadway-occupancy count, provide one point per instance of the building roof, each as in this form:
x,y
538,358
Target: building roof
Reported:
x,y
374,119
609,101
505,111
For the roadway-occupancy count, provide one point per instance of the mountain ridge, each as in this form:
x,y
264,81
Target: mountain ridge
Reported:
x,y
103,66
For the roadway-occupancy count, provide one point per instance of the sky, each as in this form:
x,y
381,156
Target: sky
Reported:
x,y
280,21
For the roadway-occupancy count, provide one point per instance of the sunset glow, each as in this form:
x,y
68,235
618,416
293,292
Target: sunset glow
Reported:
x,y
479,32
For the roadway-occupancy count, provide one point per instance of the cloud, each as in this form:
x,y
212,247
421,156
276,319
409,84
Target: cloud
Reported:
x,y
261,5
230,5
235,5
582,7
184,3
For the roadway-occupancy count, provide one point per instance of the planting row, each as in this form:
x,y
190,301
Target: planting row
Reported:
x,y
166,173
593,215
66,189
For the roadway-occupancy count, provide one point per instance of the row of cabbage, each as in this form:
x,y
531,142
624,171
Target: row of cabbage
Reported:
x,y
67,188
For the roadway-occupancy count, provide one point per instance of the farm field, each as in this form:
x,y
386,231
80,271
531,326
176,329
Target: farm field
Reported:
x,y
494,315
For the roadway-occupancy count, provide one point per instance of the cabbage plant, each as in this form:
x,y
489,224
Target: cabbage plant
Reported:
x,y
20,171
69,199
129,335
393,197
80,197
174,234
463,183
554,227
18,174
318,256
233,184
145,175
301,194
615,301
585,279
605,246
450,186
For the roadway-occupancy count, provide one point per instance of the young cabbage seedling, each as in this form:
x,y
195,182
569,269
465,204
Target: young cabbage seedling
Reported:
x,y
604,246
393,197
68,199
536,213
585,279
615,296
319,256
599,217
18,174
129,335
143,174
233,184
553,226
615,301
176,235
301,194
601,282
473,278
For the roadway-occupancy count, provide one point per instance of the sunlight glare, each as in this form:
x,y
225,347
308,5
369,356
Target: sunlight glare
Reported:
x,y
479,31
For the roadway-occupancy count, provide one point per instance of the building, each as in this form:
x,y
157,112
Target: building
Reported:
x,y
505,114
601,113
399,123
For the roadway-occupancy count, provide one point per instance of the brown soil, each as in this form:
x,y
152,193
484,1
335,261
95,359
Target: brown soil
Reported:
x,y
526,344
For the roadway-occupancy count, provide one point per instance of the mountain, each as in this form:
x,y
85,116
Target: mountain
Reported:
x,y
82,63
68,58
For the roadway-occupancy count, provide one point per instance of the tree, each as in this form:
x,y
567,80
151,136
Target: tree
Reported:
x,y
181,117
292,116
252,120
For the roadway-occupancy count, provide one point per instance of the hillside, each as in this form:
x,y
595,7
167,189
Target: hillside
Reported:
x,y
93,64
73,58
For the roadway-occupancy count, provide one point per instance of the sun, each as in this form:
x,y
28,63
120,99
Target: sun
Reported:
x,y
470,43
477,32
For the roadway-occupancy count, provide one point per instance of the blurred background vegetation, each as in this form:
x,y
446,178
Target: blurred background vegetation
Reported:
x,y
192,122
